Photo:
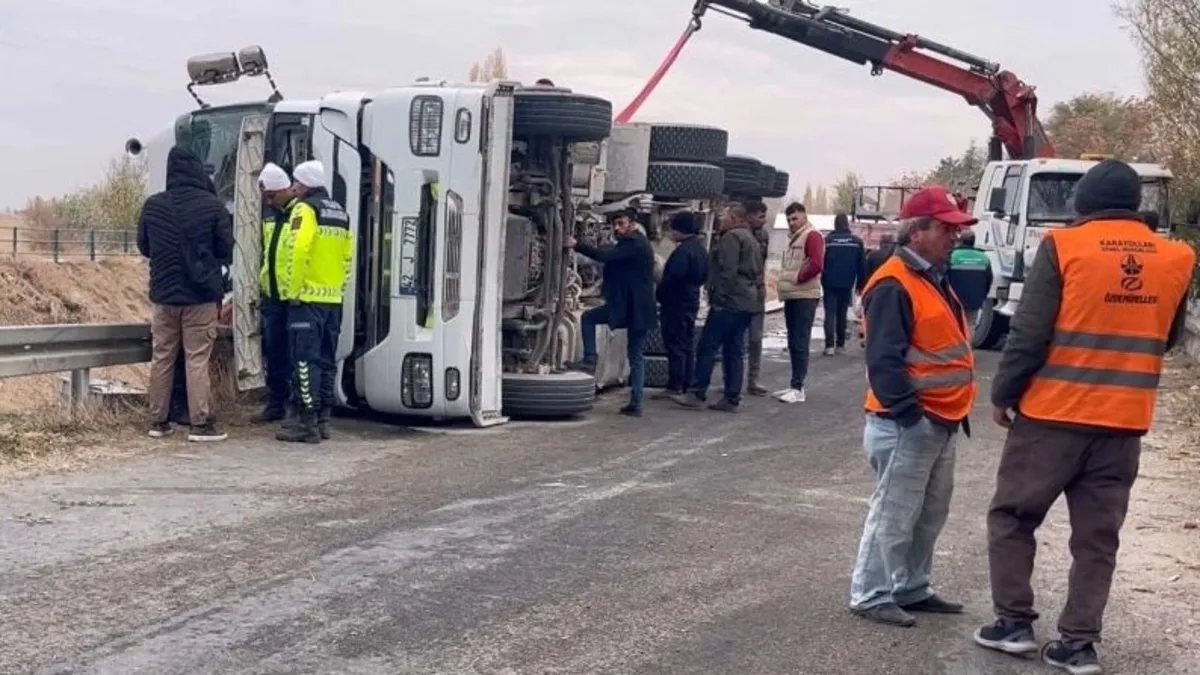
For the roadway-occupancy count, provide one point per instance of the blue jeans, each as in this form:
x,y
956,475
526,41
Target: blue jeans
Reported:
x,y
595,316
724,329
635,342
914,480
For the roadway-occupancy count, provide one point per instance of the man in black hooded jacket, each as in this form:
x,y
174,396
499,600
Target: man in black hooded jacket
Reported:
x,y
187,234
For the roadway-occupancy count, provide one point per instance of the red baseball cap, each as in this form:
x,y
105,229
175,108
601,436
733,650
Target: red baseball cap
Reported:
x,y
938,203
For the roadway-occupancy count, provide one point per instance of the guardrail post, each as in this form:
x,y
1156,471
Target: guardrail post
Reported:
x,y
92,245
80,388
125,241
54,245
14,238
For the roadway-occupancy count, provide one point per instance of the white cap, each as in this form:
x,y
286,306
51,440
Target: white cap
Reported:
x,y
273,178
310,174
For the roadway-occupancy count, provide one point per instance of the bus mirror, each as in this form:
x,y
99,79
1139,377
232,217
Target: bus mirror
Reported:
x,y
213,68
997,200
252,60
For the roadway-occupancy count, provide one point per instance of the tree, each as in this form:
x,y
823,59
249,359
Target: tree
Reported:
x,y
845,191
821,200
1103,123
961,173
1168,34
909,179
112,204
493,67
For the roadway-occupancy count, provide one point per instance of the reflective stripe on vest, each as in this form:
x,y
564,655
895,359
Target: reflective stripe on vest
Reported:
x,y
1121,286
939,362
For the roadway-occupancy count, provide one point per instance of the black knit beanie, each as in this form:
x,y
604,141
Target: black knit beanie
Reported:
x,y
1111,185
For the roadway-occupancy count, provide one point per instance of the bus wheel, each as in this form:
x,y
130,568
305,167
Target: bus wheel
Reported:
x,y
743,175
779,186
559,113
688,143
553,396
990,328
684,180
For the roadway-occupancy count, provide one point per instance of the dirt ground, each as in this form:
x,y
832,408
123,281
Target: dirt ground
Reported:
x,y
1160,551
35,431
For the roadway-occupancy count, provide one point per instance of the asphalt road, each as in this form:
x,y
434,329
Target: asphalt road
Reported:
x,y
683,542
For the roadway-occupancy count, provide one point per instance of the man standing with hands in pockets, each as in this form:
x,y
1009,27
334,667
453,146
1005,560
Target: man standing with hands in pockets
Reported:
x,y
921,376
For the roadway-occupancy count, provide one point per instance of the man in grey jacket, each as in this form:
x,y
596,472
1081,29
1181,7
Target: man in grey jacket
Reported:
x,y
735,264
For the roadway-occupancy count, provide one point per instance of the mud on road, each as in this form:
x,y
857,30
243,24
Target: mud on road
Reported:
x,y
683,542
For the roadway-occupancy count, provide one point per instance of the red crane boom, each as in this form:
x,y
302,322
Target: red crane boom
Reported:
x,y
1009,103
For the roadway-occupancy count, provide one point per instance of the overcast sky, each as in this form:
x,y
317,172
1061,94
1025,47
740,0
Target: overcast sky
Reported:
x,y
81,76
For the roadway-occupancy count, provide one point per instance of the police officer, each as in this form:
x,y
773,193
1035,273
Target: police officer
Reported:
x,y
1104,299
319,250
277,205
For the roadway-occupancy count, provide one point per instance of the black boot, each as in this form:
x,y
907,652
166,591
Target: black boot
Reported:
x,y
323,424
302,429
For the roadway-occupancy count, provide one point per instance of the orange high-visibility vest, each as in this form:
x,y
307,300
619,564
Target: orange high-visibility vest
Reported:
x,y
1121,287
939,362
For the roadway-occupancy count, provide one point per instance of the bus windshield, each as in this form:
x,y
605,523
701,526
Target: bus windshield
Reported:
x,y
213,135
1052,198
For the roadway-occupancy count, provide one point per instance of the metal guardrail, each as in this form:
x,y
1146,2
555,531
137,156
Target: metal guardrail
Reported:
x,y
66,243
77,348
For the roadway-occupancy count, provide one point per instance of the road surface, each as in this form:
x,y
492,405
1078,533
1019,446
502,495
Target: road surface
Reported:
x,y
683,542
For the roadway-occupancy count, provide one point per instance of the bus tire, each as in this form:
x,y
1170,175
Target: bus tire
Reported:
x,y
779,186
561,113
656,372
766,180
990,327
552,396
684,180
654,345
742,175
688,143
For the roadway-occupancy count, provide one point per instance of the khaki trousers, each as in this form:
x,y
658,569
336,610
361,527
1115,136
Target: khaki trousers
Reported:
x,y
192,328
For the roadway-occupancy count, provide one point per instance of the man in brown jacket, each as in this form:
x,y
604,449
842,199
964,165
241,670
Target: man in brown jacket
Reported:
x,y
734,267
756,215
800,290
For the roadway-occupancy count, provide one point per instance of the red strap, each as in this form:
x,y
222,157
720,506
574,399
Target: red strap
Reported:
x,y
631,109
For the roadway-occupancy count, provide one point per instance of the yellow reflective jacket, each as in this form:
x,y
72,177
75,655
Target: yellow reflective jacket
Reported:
x,y
318,250
270,275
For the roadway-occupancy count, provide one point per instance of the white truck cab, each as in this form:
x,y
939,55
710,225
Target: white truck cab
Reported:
x,y
1017,202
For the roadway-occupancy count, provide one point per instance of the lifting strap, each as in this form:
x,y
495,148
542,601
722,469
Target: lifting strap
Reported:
x,y
634,105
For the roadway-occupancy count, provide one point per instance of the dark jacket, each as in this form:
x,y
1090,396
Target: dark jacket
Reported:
x,y
628,281
875,260
971,276
187,234
889,314
1032,328
763,236
683,274
845,261
734,269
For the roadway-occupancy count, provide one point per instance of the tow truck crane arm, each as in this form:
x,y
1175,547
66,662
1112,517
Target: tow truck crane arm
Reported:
x,y
1008,102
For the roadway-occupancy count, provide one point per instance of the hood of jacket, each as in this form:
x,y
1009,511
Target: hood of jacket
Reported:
x,y
185,170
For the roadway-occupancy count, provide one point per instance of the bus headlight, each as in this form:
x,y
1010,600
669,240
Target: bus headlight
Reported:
x,y
425,126
416,381
453,382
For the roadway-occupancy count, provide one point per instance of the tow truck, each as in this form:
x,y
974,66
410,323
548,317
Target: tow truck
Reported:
x,y
463,301
1025,190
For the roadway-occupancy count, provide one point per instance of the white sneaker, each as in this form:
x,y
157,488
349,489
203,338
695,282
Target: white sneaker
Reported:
x,y
793,396
781,392
828,351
